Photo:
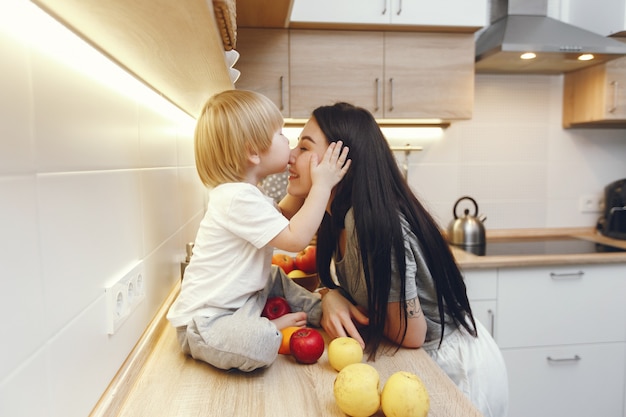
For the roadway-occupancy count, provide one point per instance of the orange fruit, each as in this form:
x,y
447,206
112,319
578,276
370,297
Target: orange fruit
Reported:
x,y
284,345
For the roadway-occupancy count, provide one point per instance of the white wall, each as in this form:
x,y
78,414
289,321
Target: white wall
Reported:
x,y
96,173
515,159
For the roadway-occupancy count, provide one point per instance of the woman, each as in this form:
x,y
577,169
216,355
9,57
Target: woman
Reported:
x,y
397,279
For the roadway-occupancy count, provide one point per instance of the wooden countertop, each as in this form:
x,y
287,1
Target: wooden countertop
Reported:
x,y
170,384
467,260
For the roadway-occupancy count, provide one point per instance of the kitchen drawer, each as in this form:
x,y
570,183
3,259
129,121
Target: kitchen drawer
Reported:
x,y
592,385
561,305
482,284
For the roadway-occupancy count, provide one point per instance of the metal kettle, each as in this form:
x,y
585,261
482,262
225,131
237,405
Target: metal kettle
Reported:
x,y
467,230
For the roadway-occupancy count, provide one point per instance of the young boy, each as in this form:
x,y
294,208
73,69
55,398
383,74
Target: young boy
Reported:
x,y
217,315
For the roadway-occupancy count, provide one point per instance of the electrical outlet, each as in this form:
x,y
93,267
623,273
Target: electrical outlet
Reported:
x,y
123,295
591,203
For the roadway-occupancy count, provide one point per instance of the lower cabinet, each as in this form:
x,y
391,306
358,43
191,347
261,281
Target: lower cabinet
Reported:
x,y
482,291
562,332
582,380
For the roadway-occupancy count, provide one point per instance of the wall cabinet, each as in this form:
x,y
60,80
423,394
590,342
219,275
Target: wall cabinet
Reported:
x,y
392,74
596,96
264,64
442,13
605,17
566,328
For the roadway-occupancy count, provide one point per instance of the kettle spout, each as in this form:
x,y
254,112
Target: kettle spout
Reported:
x,y
482,218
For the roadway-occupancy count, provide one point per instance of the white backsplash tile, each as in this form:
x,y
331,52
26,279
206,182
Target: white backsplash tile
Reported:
x,y
157,138
160,202
20,269
16,141
94,128
192,199
91,232
26,391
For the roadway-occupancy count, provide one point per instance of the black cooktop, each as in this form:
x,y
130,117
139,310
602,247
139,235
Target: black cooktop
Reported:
x,y
554,246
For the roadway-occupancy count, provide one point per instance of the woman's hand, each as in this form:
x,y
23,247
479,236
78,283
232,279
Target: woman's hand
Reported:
x,y
339,316
332,168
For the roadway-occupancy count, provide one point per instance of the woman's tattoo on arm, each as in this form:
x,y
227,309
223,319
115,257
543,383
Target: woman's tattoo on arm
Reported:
x,y
412,309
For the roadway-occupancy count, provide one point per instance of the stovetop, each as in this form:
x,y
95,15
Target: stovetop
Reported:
x,y
552,246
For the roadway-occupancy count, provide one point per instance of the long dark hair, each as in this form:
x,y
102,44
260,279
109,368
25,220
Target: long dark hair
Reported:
x,y
376,191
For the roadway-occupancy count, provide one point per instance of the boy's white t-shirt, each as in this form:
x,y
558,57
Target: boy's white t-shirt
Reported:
x,y
231,259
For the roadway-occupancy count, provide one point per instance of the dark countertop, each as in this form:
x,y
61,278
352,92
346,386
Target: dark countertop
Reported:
x,y
468,261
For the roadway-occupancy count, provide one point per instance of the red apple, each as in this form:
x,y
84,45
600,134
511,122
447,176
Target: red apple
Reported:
x,y
306,345
284,261
305,260
275,307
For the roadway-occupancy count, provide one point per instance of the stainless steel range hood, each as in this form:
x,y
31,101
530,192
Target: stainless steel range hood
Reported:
x,y
521,26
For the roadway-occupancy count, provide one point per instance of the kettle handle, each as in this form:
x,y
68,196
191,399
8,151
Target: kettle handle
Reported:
x,y
465,198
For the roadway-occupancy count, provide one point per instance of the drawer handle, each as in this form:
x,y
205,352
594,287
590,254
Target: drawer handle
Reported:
x,y
377,85
576,358
492,321
567,275
615,86
391,94
282,93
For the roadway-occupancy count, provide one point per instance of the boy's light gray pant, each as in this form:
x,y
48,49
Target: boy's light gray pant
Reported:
x,y
243,339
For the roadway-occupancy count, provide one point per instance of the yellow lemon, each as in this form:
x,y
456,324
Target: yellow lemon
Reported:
x,y
404,395
344,351
356,390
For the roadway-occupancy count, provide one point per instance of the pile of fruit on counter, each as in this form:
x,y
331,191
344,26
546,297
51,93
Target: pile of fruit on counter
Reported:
x,y
357,386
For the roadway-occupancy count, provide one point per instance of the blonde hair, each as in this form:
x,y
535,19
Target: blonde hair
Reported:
x,y
233,124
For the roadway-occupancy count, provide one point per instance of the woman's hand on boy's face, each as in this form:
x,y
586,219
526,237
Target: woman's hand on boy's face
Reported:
x,y
333,166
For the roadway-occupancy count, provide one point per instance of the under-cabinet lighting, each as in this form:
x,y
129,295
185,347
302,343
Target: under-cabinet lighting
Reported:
x,y
528,55
33,27
397,136
399,132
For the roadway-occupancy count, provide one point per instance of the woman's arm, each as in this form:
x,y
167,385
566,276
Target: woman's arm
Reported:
x,y
415,327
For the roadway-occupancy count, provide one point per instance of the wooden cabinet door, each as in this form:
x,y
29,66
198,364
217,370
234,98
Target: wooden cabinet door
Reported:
x,y
596,96
429,75
264,64
616,89
331,66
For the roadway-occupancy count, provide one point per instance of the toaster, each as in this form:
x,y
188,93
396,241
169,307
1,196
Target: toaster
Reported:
x,y
613,221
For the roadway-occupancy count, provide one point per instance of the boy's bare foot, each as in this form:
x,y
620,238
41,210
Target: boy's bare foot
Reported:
x,y
297,319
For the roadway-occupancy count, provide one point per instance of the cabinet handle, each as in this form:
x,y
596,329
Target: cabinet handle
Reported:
x,y
567,275
492,321
576,358
384,7
282,93
391,94
615,86
377,95
399,8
